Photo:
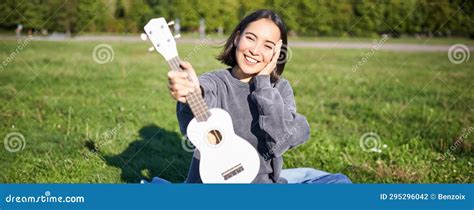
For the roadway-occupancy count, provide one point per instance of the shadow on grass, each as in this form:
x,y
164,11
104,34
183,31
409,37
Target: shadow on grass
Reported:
x,y
158,152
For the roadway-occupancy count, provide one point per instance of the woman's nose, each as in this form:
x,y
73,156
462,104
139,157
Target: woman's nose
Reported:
x,y
255,50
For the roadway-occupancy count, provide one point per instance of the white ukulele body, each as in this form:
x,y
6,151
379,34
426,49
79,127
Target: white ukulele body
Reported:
x,y
232,160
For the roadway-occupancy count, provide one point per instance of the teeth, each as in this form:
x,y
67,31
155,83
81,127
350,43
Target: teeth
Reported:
x,y
251,60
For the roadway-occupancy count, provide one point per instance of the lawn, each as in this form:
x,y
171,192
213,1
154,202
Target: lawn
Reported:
x,y
85,122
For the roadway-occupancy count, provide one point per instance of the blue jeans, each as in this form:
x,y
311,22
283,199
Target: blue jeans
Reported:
x,y
294,176
156,180
312,176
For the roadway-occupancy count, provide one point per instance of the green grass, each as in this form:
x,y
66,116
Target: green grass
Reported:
x,y
114,123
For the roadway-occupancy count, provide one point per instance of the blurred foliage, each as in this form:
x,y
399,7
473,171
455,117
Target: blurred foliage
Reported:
x,y
303,17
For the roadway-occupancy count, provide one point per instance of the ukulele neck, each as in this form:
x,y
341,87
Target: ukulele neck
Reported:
x,y
195,101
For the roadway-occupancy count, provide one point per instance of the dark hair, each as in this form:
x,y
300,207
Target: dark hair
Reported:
x,y
228,54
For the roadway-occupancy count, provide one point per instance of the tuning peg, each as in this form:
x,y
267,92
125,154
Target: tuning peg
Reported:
x,y
151,49
143,36
177,36
170,23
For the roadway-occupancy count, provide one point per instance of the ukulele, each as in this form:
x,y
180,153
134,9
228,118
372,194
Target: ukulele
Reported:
x,y
225,157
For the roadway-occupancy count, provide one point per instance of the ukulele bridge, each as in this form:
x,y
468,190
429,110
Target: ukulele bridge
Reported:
x,y
232,171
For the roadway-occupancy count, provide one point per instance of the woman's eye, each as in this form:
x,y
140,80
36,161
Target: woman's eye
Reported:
x,y
250,38
268,47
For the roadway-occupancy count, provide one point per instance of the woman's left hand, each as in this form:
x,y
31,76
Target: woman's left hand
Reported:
x,y
267,70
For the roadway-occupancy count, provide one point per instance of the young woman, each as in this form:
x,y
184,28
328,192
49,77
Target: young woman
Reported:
x,y
260,102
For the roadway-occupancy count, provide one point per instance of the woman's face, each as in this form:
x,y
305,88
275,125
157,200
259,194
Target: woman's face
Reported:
x,y
256,45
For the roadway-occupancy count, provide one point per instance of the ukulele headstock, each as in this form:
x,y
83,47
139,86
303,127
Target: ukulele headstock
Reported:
x,y
158,32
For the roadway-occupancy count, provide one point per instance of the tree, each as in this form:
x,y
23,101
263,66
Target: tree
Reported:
x,y
305,17
186,12
119,10
66,15
91,16
140,13
438,13
367,18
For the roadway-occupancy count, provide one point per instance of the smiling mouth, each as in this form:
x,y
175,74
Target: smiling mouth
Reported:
x,y
250,60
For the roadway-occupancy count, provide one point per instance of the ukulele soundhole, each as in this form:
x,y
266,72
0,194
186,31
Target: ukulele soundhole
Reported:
x,y
232,171
214,137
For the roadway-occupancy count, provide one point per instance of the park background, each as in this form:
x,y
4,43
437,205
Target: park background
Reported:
x,y
385,85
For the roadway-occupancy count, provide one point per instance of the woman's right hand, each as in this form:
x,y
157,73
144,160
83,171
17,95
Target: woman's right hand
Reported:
x,y
179,83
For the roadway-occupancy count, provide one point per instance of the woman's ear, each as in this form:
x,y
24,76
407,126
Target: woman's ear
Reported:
x,y
237,38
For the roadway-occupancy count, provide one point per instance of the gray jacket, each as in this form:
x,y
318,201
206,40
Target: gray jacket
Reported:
x,y
262,113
